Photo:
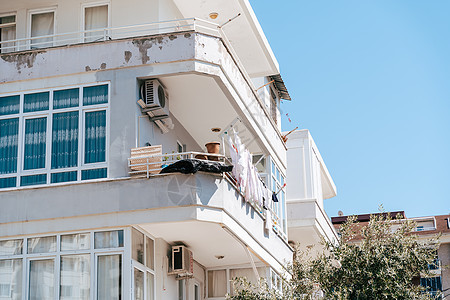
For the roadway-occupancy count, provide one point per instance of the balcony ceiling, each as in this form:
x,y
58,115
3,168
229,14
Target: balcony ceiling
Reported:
x,y
206,240
199,104
245,32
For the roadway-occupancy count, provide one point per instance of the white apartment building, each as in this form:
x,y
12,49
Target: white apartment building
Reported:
x,y
96,97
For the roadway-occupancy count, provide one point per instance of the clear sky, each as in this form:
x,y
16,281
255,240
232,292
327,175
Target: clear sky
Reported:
x,y
371,81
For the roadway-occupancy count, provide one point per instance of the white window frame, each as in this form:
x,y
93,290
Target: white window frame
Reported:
x,y
278,208
2,15
49,115
83,15
32,12
56,256
143,267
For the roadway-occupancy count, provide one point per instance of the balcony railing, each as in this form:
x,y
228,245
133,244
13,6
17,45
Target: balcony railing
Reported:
x,y
151,165
110,33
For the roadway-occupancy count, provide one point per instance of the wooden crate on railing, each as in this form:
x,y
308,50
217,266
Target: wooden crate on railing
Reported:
x,y
143,157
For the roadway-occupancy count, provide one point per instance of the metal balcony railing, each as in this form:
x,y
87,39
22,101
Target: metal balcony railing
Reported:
x,y
151,165
110,33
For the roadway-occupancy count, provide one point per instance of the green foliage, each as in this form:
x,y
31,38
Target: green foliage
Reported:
x,y
376,261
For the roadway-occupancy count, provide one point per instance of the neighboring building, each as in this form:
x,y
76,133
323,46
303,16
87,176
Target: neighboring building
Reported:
x,y
426,228
95,98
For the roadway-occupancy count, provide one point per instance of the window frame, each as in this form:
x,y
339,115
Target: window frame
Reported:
x,y
10,14
143,266
58,254
49,113
83,16
30,13
278,208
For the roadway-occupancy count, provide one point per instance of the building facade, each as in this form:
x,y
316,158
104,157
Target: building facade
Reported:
x,y
96,97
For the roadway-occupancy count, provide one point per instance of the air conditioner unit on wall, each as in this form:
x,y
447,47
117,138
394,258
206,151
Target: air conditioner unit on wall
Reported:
x,y
182,261
155,103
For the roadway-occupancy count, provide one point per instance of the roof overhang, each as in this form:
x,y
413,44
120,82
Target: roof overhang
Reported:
x,y
244,32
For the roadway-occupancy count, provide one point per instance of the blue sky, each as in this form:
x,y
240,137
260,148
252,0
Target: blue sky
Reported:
x,y
371,81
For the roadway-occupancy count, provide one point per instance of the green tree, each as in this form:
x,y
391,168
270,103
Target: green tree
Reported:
x,y
375,261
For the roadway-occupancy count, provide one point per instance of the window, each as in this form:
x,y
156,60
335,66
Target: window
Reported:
x,y
64,267
42,29
7,33
53,136
217,283
95,19
142,254
279,208
432,284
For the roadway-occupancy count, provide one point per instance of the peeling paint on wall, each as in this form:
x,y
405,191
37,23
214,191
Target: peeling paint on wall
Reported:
x,y
143,46
127,55
22,59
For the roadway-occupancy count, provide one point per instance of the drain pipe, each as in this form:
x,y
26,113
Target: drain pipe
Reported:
x,y
247,250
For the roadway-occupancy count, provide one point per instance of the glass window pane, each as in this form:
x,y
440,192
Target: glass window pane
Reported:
x,y
95,136
95,94
65,140
137,240
9,105
11,247
11,279
33,180
150,286
138,284
150,248
7,33
109,277
9,135
66,98
42,244
36,102
93,174
42,25
64,177
35,143
95,18
75,277
79,241
8,182
217,283
42,280
108,239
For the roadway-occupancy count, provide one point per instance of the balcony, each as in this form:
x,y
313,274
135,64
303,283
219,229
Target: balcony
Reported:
x,y
184,54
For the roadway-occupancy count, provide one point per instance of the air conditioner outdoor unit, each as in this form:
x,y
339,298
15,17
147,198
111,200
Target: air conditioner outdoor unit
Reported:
x,y
182,261
155,102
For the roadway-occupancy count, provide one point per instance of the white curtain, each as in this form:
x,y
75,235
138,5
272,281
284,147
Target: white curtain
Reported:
x,y
75,241
95,18
217,283
108,239
75,277
247,273
109,277
150,286
138,285
41,25
11,279
42,244
8,34
42,279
